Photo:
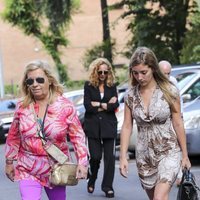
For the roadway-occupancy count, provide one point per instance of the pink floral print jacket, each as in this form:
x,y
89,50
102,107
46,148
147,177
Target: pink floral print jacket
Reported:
x,y
24,145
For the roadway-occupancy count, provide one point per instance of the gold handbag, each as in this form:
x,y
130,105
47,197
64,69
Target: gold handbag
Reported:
x,y
64,174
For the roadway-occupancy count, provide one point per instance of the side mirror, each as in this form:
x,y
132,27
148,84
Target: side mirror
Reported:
x,y
186,97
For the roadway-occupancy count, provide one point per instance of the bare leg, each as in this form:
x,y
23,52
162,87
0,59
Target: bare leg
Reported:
x,y
161,191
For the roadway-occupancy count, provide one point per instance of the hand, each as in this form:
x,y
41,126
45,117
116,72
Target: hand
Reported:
x,y
104,106
95,103
123,167
113,100
10,171
81,172
100,109
186,163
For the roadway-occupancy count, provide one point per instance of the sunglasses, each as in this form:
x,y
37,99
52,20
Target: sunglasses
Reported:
x,y
102,72
39,80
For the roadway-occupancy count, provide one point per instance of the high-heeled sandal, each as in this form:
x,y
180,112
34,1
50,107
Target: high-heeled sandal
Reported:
x,y
90,189
109,194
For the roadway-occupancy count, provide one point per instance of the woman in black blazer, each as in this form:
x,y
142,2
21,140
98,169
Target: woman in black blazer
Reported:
x,y
100,125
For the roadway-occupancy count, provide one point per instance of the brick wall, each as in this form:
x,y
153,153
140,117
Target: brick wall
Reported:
x,y
18,49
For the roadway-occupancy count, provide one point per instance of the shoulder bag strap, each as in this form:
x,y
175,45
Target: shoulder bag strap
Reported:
x,y
51,149
40,126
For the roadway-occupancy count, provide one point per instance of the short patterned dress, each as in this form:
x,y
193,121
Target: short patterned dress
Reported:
x,y
158,154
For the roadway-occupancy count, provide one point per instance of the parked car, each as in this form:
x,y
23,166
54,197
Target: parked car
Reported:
x,y
191,118
76,96
7,108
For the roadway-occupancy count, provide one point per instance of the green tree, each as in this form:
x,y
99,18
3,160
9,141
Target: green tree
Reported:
x,y
96,51
106,30
106,47
47,20
159,25
191,44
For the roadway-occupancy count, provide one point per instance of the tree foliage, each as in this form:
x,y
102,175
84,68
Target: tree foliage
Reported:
x,y
106,31
96,51
191,44
106,47
47,20
158,24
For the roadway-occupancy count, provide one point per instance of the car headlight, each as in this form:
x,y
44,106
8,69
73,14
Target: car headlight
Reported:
x,y
192,122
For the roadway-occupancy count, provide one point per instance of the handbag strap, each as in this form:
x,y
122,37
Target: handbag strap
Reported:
x,y
40,124
41,134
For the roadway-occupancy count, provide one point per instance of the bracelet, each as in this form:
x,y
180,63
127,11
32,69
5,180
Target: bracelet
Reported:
x,y
9,162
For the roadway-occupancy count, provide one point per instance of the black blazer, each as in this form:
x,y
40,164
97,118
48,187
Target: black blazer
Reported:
x,y
100,124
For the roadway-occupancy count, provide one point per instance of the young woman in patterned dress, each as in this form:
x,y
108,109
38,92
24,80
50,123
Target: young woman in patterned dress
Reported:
x,y
154,103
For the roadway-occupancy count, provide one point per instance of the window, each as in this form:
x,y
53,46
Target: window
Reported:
x,y
194,90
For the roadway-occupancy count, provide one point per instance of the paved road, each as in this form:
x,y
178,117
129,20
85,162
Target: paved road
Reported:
x,y
125,189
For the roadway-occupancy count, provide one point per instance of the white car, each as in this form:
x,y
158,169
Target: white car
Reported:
x,y
7,108
191,116
76,96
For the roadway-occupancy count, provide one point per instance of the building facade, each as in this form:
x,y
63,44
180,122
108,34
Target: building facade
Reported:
x,y
17,49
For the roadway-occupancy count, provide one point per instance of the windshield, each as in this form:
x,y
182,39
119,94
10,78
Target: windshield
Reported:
x,y
185,78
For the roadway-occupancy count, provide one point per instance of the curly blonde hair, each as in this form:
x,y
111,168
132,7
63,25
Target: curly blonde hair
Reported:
x,y
145,56
55,87
94,77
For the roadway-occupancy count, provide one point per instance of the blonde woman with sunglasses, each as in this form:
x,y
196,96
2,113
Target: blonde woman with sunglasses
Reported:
x,y
26,160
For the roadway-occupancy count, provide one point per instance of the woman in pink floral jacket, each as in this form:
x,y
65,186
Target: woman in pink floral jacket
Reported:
x,y
26,160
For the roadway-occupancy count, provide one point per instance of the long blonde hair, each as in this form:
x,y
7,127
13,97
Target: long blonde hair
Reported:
x,y
94,77
55,87
145,56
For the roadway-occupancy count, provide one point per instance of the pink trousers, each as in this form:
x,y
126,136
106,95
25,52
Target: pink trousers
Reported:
x,y
32,190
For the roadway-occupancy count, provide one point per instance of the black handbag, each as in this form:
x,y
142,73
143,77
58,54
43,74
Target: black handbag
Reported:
x,y
188,189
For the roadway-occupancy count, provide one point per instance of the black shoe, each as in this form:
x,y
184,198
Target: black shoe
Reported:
x,y
90,186
90,189
110,194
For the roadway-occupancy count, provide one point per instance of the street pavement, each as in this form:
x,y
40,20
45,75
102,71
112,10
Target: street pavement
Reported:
x,y
125,188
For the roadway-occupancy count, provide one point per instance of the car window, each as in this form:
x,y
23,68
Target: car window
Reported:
x,y
183,82
194,90
180,77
